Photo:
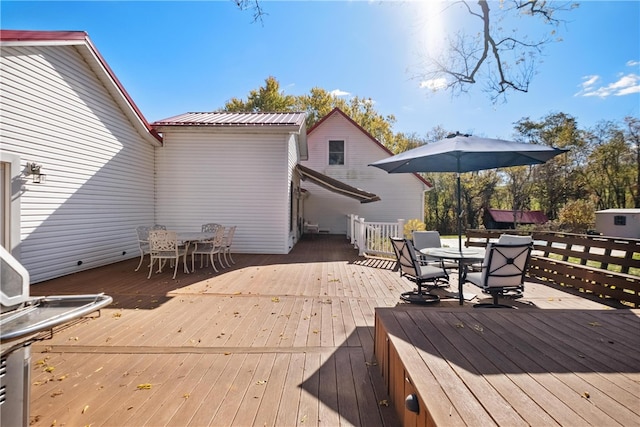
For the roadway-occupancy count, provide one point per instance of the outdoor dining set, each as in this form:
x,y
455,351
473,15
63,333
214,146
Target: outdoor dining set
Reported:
x,y
213,242
499,270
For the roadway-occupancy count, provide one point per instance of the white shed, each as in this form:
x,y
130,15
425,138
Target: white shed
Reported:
x,y
619,223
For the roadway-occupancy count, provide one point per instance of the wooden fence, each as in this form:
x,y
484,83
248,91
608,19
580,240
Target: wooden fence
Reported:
x,y
605,266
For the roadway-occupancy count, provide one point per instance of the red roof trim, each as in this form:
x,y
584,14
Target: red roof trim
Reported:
x,y
363,130
24,35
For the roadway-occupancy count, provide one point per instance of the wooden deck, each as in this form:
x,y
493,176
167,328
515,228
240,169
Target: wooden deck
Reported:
x,y
275,340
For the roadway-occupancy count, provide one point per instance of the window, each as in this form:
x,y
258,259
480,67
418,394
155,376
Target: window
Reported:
x,y
336,152
619,220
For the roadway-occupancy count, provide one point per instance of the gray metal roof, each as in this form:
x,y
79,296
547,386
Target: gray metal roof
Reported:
x,y
226,119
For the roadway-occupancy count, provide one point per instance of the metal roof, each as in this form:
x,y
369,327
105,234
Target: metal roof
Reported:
x,y
226,119
522,217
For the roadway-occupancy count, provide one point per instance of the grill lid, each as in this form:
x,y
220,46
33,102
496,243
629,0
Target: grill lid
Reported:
x,y
14,281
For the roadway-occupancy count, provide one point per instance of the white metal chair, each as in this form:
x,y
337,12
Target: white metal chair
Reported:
x,y
211,227
226,244
504,270
142,232
420,274
163,245
210,248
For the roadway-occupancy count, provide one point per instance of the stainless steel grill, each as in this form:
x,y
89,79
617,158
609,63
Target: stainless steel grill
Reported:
x,y
22,318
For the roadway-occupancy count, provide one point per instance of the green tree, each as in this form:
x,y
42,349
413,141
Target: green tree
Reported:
x,y
268,99
554,182
577,216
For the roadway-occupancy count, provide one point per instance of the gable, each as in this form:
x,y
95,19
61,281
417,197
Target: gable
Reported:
x,y
337,125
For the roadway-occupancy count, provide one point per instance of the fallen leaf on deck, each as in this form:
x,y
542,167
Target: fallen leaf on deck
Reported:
x,y
275,299
57,393
261,382
99,369
62,377
145,386
586,395
384,402
186,395
116,315
49,369
85,409
594,324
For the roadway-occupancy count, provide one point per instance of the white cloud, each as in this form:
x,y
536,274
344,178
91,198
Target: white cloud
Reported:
x,y
434,84
625,85
338,92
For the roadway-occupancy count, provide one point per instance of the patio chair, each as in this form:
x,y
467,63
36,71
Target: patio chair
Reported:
x,y
226,244
504,272
211,227
163,245
430,239
425,277
506,239
142,232
210,248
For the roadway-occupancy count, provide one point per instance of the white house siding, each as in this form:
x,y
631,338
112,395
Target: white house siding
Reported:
x,y
229,178
56,112
402,195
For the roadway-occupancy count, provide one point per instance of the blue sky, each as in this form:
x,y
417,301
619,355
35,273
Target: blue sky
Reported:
x,y
175,57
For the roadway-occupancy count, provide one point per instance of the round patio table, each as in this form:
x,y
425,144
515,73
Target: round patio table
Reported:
x,y
463,256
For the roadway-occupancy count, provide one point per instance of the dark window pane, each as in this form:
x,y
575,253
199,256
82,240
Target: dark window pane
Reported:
x,y
336,152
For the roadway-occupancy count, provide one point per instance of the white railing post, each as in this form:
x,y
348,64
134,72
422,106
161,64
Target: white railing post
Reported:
x,y
400,230
362,237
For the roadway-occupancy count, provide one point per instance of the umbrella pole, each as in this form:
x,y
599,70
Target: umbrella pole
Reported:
x,y
459,213
460,262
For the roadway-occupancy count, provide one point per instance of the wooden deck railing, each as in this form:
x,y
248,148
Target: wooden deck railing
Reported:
x,y
605,266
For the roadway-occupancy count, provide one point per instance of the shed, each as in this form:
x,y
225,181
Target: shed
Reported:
x,y
619,223
503,219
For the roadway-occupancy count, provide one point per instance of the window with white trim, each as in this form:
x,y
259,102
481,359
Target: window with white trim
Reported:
x,y
336,152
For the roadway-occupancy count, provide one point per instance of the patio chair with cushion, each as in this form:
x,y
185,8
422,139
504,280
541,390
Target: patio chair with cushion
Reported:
x,y
163,245
430,239
210,248
504,272
425,277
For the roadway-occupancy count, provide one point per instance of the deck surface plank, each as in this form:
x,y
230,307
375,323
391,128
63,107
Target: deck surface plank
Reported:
x,y
281,340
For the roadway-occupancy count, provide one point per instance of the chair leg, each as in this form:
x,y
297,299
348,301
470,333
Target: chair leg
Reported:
x,y
175,269
151,267
220,256
228,251
140,263
212,263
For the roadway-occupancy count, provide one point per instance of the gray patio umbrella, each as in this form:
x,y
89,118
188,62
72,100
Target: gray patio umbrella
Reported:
x,y
465,153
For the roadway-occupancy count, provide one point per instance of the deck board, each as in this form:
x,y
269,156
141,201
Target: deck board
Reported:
x,y
289,340
511,367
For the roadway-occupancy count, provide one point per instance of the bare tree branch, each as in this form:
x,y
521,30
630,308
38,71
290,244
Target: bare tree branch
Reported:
x,y
503,63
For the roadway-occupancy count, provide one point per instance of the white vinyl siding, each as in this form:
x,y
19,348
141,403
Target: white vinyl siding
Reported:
x,y
236,179
57,113
402,195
